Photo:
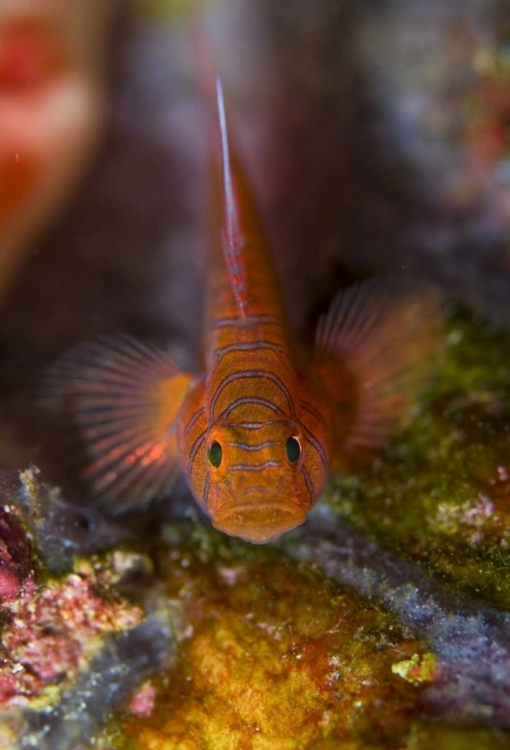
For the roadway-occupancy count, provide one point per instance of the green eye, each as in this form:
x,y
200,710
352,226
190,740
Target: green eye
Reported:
x,y
215,454
293,449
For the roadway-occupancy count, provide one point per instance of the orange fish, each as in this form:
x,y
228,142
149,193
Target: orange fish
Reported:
x,y
257,433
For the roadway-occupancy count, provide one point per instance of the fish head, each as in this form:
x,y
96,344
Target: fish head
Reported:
x,y
258,485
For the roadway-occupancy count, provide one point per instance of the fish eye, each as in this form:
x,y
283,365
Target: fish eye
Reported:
x,y
293,449
215,454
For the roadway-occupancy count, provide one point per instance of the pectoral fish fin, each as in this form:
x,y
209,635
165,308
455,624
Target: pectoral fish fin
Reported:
x,y
126,398
375,349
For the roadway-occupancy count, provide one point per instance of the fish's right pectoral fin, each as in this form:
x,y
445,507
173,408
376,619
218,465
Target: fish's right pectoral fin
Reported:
x,y
126,398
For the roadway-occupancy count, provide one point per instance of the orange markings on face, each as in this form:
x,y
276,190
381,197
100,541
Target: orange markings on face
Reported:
x,y
30,56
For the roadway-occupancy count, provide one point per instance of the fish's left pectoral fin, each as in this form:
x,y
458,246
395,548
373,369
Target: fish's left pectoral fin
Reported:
x,y
126,398
386,336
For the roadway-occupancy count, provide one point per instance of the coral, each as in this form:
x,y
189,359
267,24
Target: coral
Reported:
x,y
15,559
142,703
73,646
53,631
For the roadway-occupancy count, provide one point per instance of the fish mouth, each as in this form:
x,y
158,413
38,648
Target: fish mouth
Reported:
x,y
258,523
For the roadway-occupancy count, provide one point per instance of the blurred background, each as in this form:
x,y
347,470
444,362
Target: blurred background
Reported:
x,y
376,136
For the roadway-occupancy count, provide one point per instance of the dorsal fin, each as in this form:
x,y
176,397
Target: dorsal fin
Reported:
x,y
231,237
241,282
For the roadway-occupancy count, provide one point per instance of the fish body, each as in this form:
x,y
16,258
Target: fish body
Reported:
x,y
252,404
256,434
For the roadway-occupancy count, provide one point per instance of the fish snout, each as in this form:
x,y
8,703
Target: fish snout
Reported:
x,y
258,517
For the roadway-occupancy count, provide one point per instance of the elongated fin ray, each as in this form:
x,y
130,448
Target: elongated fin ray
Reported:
x,y
125,397
387,336
232,239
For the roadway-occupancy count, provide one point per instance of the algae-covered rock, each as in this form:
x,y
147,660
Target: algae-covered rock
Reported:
x,y
424,737
276,654
74,645
441,494
273,655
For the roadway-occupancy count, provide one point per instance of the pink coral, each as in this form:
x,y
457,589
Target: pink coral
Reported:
x,y
53,629
142,703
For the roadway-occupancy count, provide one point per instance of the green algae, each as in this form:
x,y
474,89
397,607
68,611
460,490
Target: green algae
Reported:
x,y
272,655
441,493
423,737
